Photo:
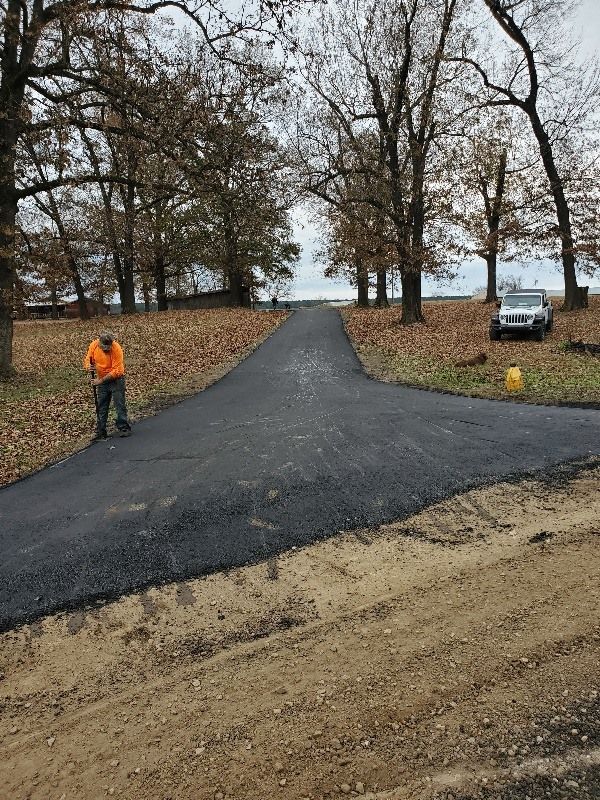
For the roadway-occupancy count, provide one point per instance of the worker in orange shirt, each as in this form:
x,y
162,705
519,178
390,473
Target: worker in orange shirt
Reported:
x,y
105,358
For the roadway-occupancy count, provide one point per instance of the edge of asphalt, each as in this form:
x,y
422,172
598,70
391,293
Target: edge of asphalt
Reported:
x,y
454,393
555,475
152,410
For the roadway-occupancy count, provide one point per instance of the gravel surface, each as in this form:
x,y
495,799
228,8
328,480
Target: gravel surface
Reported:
x,y
451,656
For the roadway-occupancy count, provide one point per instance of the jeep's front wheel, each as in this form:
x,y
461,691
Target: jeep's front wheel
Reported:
x,y
495,335
550,323
540,334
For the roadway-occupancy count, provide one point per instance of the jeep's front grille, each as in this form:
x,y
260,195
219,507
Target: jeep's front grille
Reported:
x,y
515,319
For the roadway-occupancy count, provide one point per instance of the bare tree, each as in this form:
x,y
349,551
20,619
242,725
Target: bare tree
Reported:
x,y
379,69
357,242
44,154
541,63
486,190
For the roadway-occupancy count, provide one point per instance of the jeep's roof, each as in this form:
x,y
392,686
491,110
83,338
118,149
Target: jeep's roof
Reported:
x,y
526,291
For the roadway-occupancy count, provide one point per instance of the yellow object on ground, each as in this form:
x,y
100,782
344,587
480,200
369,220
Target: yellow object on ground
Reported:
x,y
514,379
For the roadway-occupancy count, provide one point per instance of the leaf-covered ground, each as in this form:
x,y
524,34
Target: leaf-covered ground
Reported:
x,y
47,409
425,355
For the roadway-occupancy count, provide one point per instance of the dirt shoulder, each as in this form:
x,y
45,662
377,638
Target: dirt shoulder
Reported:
x,y
453,655
426,355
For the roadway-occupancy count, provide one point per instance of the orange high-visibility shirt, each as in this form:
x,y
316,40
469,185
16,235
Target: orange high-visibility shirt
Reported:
x,y
105,363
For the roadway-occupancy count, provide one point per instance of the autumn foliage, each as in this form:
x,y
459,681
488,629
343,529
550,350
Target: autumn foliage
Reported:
x,y
47,410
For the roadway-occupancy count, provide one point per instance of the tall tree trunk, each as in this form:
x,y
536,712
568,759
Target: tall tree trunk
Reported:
x,y
412,310
160,279
8,213
420,138
234,276
235,287
12,93
128,293
128,194
6,333
574,298
146,295
53,299
362,284
491,260
493,210
160,284
119,275
381,298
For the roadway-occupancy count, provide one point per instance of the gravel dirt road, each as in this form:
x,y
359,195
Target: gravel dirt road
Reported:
x,y
452,655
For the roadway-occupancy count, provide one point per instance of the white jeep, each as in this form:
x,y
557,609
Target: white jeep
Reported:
x,y
523,311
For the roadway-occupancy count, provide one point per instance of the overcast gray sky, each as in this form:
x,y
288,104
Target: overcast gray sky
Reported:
x,y
310,283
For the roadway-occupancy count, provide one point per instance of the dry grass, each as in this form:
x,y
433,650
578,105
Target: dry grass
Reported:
x,y
47,410
425,355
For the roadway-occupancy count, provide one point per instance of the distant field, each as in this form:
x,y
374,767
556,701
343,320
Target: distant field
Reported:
x,y
47,410
425,355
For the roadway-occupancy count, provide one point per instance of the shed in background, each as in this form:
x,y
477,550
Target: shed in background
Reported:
x,y
219,299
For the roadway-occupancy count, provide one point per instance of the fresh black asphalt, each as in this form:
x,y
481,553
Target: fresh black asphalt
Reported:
x,y
294,445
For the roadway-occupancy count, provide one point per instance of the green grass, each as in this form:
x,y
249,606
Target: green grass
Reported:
x,y
26,386
580,383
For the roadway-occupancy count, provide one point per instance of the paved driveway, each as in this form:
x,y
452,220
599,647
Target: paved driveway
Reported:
x,y
293,445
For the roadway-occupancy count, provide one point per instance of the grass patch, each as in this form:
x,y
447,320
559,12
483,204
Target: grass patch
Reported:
x,y
27,386
425,355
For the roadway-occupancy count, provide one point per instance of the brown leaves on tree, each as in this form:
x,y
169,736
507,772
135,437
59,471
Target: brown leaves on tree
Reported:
x,y
47,410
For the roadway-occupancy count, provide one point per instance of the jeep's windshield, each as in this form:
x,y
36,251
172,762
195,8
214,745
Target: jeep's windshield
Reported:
x,y
522,300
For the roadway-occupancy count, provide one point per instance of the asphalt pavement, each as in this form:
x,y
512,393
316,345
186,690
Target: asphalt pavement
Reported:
x,y
293,445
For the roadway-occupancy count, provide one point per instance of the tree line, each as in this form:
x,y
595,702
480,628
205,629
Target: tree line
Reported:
x,y
138,156
143,157
432,131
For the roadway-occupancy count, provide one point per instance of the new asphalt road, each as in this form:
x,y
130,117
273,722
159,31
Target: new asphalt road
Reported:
x,y
293,445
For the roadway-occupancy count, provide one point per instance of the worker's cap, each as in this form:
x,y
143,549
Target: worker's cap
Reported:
x,y
106,339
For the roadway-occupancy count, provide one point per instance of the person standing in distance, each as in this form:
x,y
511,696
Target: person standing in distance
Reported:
x,y
105,356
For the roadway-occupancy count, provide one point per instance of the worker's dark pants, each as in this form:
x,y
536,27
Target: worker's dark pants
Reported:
x,y
114,389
